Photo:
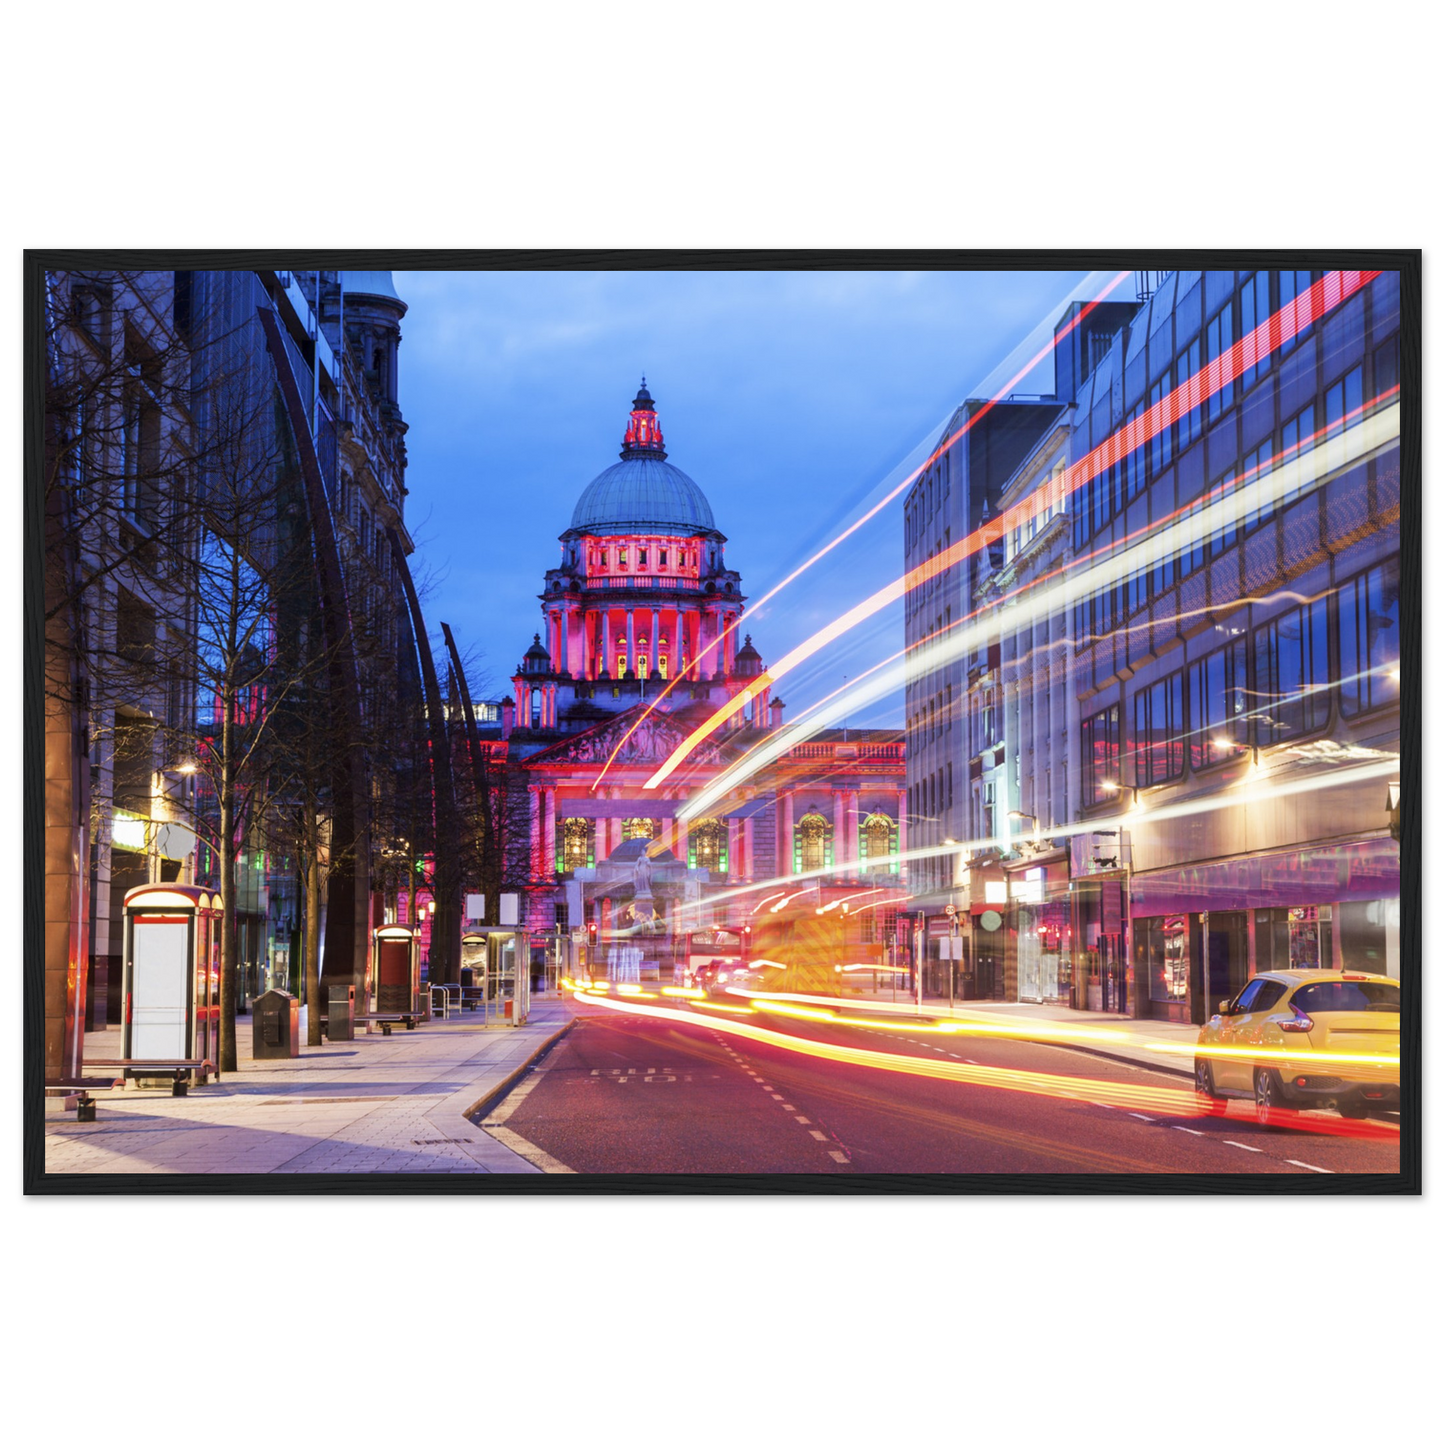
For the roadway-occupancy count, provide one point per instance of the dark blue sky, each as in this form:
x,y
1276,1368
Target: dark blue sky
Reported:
x,y
790,398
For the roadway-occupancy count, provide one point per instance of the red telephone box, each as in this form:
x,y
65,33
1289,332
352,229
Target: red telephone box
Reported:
x,y
395,981
171,986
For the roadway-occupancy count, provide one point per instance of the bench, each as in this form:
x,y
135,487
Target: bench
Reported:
x,y
177,1068
411,1018
79,1090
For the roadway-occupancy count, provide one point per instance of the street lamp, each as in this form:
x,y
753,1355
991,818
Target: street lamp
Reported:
x,y
1020,816
1109,786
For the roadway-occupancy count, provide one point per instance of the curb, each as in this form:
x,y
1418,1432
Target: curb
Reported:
x,y
471,1112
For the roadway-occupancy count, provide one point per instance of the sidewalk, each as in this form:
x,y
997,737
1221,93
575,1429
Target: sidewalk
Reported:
x,y
378,1104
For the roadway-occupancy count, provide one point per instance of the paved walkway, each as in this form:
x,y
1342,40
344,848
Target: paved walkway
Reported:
x,y
379,1104
401,1104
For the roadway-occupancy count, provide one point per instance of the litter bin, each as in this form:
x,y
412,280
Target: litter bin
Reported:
x,y
276,1026
341,1012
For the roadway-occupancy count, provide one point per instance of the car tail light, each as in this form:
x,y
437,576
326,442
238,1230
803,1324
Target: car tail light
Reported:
x,y
1297,1023
722,978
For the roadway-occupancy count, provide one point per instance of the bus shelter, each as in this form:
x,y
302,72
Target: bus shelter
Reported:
x,y
171,979
501,963
394,979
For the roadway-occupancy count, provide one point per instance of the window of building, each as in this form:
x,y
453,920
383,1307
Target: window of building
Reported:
x,y
560,915
642,556
1134,462
1223,537
662,556
1218,705
1256,478
1254,311
1344,402
1297,436
1159,731
878,843
1292,673
135,628
1292,285
1191,421
1370,639
1160,448
812,843
648,828
707,845
575,844
1387,367
1099,736
622,556
1218,338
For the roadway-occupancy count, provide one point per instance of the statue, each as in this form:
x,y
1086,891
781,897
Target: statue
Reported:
x,y
642,876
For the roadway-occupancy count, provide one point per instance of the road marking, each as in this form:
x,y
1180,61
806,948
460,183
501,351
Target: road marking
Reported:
x,y
1302,1165
1101,1103
1235,1144
801,1119
778,1097
1147,1118
528,1150
834,1154
817,1134
1198,1133
790,1106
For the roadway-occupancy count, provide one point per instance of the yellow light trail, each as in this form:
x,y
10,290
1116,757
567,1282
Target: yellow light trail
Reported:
x,y
1178,1102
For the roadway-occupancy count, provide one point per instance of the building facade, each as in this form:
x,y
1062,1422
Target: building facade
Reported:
x,y
640,644
159,384
1186,690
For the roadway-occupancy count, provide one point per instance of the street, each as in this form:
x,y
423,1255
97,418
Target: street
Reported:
x,y
631,1093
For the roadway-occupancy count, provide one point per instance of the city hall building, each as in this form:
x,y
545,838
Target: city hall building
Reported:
x,y
639,645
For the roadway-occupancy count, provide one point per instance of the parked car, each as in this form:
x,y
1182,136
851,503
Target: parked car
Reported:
x,y
1335,1025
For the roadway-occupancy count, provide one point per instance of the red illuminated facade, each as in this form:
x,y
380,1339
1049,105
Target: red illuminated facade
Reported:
x,y
639,645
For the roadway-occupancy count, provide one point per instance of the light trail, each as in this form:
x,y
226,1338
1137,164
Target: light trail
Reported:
x,y
746,616
1330,291
1300,475
1177,1102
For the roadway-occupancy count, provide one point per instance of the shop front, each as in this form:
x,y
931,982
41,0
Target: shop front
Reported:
x,y
1041,929
1201,932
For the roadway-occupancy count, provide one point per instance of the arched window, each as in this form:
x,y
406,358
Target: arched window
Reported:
x,y
812,843
575,843
878,843
640,828
707,846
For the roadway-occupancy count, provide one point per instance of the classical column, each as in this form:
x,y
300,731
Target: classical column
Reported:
x,y
852,818
785,837
656,637
606,642
631,643
902,827
706,661
535,793
599,851
566,659
747,869
840,832
549,833
734,849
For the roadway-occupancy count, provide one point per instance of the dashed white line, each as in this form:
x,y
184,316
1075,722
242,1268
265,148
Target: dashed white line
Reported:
x,y
801,1119
1300,1163
778,1097
1235,1144
1199,1133
819,1135
834,1154
790,1106
1147,1118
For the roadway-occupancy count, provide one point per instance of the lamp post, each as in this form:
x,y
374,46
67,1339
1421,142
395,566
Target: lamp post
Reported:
x,y
1018,816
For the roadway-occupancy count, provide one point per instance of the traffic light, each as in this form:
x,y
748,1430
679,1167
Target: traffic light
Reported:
x,y
747,940
592,932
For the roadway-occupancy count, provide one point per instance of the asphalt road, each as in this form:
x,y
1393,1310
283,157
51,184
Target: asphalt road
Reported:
x,y
627,1094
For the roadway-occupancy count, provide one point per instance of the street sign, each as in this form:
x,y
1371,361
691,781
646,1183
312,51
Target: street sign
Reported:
x,y
951,911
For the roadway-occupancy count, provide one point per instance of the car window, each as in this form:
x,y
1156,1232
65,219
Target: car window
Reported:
x,y
1270,993
1245,1002
1351,997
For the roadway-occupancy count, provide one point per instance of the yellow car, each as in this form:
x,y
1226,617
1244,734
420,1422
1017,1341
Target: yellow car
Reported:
x,y
1303,1038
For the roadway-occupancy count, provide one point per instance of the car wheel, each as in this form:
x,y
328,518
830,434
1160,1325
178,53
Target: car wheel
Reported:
x,y
1351,1111
1205,1097
1268,1102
